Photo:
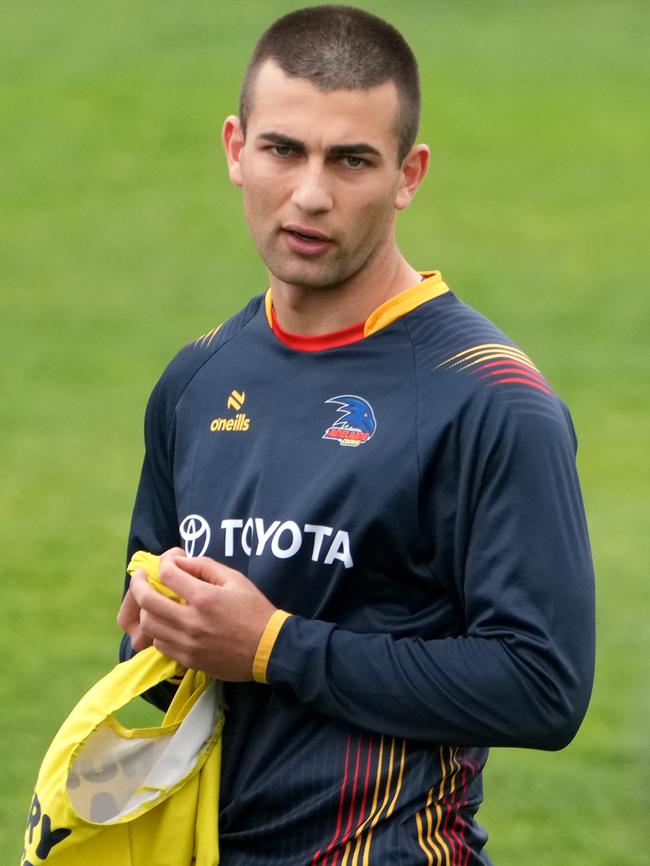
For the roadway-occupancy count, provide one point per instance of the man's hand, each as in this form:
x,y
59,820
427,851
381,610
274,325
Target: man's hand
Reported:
x,y
217,630
128,618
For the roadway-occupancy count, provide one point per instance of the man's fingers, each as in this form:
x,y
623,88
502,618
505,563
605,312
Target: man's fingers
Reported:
x,y
128,619
172,650
129,611
154,602
170,555
205,569
140,639
179,579
157,629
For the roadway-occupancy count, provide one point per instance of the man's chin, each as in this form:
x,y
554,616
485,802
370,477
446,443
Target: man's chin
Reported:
x,y
305,275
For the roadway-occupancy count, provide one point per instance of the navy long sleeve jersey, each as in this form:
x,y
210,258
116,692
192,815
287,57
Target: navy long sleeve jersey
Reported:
x,y
411,498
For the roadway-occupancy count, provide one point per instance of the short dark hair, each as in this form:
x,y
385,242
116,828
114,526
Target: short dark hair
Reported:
x,y
340,48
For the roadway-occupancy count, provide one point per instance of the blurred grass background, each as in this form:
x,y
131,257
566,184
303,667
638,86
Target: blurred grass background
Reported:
x,y
120,240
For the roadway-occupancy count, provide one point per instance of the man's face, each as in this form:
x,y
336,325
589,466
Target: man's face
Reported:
x,y
319,176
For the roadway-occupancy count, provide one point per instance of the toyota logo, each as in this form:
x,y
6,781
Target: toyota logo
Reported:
x,y
195,532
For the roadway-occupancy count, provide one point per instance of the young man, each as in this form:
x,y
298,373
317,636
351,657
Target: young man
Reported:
x,y
374,486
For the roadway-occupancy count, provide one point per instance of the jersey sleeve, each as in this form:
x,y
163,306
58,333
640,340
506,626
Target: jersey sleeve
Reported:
x,y
154,524
519,671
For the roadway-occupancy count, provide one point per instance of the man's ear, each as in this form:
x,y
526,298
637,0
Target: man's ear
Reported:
x,y
413,170
232,137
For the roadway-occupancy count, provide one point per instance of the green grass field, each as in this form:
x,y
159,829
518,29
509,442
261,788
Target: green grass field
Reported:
x,y
120,239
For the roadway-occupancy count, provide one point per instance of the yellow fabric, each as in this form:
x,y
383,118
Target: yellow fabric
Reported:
x,y
399,305
268,307
394,308
110,796
266,644
150,562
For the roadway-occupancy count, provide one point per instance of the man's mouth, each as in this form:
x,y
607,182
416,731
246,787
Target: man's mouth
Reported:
x,y
306,234
306,241
303,236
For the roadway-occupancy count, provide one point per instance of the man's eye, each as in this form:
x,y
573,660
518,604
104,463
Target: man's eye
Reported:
x,y
280,149
353,161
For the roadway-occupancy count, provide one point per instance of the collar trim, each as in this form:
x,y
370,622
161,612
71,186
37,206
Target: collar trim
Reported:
x,y
318,342
399,305
432,286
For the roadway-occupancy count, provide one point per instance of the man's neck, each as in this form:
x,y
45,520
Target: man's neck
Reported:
x,y
312,311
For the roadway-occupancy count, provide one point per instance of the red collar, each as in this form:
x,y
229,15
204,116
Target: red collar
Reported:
x,y
318,342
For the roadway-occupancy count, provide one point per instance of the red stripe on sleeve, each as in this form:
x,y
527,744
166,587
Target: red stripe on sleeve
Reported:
x,y
505,360
519,380
509,367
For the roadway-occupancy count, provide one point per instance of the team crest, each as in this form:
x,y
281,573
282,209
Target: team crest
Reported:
x,y
356,423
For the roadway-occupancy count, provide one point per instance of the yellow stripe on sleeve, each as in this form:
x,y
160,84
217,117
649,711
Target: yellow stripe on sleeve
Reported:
x,y
206,339
484,352
499,356
266,644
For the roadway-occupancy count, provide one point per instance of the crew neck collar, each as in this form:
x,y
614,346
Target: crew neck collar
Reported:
x,y
431,286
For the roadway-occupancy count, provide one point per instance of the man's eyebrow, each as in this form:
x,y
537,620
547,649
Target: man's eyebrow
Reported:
x,y
284,140
356,149
353,149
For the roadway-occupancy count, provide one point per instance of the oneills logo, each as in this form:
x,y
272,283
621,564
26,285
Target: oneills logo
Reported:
x,y
241,421
236,400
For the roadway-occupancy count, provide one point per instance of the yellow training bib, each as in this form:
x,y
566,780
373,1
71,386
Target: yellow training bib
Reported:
x,y
111,796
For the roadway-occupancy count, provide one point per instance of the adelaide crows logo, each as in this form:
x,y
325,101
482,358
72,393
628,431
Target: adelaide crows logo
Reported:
x,y
356,423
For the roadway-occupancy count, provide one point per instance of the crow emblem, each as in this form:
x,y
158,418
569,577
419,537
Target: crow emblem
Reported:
x,y
356,422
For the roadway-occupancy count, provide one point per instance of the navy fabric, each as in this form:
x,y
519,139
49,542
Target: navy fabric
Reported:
x,y
424,525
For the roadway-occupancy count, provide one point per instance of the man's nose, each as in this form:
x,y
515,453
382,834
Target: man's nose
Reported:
x,y
311,192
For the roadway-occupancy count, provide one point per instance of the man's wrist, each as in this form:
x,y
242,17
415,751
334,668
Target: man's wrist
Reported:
x,y
266,644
